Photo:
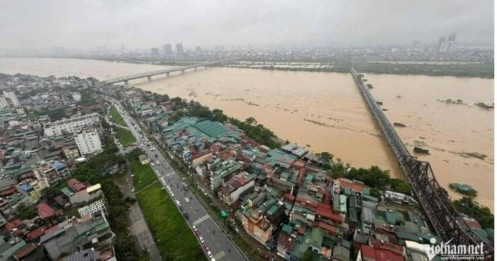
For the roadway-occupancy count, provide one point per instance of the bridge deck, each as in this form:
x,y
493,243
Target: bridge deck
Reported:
x,y
444,218
154,73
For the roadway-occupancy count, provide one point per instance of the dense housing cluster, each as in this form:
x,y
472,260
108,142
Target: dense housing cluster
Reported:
x,y
48,129
283,197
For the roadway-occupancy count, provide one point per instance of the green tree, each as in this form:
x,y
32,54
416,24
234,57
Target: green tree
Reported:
x,y
49,193
482,214
251,121
308,256
26,212
400,186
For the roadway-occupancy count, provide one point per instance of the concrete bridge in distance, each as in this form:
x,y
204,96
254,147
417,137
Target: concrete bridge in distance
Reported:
x,y
149,75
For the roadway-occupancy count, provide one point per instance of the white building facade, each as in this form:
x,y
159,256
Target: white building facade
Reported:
x,y
12,97
88,142
72,125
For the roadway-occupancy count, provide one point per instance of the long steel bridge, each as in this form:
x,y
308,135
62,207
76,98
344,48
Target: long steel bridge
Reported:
x,y
442,215
148,75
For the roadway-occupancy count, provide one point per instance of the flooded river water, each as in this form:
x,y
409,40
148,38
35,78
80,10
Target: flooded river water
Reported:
x,y
326,112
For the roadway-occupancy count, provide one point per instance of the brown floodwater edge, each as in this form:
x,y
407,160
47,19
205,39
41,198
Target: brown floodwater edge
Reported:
x,y
326,111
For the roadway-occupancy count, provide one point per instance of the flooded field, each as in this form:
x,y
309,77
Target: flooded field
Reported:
x,y
326,112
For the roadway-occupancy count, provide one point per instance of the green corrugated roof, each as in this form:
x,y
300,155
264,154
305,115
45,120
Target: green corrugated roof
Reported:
x,y
272,210
329,241
66,191
211,128
287,228
407,236
316,238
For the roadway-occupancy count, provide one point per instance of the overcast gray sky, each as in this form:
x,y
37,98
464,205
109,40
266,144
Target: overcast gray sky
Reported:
x,y
285,23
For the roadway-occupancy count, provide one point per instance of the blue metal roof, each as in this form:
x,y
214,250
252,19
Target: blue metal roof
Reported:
x,y
58,165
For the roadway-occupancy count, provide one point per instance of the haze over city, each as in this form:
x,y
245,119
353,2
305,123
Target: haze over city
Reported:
x,y
37,25
223,130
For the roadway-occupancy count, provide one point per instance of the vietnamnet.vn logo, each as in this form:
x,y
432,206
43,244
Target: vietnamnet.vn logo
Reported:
x,y
448,251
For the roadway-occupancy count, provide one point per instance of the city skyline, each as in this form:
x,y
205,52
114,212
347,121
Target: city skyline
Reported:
x,y
281,24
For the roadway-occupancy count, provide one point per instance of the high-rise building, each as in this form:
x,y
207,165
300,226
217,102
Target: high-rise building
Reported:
x,y
154,52
88,142
451,42
416,44
452,37
167,49
3,102
197,49
447,44
441,42
179,48
12,97
72,125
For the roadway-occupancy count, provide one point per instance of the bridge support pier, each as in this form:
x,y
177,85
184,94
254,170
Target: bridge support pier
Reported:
x,y
149,78
183,71
125,83
167,74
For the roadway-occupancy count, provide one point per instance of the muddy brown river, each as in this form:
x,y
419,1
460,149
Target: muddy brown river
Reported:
x,y
326,112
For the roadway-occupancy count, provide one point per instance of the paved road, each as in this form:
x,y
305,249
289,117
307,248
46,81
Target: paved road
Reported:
x,y
218,243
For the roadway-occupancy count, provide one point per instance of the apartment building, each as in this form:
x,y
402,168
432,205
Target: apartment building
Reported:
x,y
88,142
72,125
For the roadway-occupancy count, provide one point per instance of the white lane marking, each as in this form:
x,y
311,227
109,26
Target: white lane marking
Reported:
x,y
200,220
219,255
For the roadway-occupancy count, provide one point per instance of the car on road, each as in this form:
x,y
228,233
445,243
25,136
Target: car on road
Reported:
x,y
178,203
187,200
201,239
209,253
194,228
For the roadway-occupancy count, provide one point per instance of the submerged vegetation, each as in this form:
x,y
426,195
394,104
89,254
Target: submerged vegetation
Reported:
x,y
480,70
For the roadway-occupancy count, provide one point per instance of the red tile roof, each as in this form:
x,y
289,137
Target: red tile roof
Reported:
x,y
301,175
472,223
325,210
14,224
200,154
352,185
367,253
387,246
331,229
35,234
387,255
289,196
76,185
45,211
286,241
299,164
8,192
25,252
